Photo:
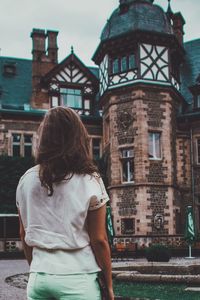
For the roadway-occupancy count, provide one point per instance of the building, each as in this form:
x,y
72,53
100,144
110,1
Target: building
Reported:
x,y
141,106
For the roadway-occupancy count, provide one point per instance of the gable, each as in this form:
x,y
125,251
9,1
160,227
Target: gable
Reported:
x,y
71,71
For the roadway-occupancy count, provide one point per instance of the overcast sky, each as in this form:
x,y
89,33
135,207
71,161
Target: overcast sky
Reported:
x,y
79,23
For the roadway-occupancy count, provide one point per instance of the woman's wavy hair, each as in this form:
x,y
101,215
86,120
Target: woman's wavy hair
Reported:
x,y
63,147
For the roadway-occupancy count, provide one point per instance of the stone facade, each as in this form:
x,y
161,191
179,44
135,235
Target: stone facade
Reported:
x,y
150,201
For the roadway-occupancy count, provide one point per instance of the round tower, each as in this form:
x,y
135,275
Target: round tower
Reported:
x,y
139,57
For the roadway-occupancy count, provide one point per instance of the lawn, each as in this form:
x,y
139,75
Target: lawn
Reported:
x,y
155,291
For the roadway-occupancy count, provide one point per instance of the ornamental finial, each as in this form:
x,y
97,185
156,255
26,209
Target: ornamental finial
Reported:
x,y
72,50
169,11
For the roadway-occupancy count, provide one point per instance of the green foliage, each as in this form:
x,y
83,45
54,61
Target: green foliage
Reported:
x,y
11,169
158,252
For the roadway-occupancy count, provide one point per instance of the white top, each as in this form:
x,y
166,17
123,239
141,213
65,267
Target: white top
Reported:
x,y
57,224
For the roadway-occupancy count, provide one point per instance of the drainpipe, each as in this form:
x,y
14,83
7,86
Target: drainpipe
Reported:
x,y
192,176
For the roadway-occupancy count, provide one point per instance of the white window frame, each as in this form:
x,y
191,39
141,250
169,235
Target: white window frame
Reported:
x,y
129,158
154,145
54,101
22,141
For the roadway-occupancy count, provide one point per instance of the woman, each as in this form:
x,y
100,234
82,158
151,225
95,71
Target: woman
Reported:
x,y
62,208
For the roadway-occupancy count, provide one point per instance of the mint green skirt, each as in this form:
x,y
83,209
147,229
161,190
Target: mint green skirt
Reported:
x,y
42,286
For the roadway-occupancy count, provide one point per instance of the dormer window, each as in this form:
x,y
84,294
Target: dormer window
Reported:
x,y
71,98
9,69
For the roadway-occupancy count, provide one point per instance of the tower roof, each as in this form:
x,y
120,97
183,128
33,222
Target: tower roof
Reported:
x,y
132,15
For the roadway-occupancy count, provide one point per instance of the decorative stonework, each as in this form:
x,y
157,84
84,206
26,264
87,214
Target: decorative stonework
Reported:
x,y
125,119
158,202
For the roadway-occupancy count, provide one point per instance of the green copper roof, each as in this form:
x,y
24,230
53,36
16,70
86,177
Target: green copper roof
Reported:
x,y
191,68
16,87
140,15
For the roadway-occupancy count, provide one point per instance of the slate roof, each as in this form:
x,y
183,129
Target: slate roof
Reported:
x,y
16,89
141,15
191,68
95,71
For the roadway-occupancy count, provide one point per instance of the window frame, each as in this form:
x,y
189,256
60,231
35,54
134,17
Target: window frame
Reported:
x,y
72,94
119,61
92,137
22,142
154,145
130,161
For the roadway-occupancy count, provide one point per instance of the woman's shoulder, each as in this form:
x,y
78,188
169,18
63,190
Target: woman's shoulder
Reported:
x,y
34,171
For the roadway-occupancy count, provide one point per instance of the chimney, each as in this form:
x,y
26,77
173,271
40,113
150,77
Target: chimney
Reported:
x,y
52,46
178,23
39,50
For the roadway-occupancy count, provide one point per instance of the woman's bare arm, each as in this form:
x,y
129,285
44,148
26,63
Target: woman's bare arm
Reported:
x,y
100,245
27,249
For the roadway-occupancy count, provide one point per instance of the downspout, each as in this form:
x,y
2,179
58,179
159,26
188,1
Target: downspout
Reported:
x,y
192,176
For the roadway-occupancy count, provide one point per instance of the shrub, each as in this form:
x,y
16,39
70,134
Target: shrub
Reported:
x,y
158,252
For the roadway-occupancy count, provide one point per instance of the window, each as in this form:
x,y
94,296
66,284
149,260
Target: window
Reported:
x,y
16,144
128,226
22,144
198,101
96,148
54,101
127,165
87,107
27,145
71,98
123,64
131,61
154,145
10,69
198,151
115,66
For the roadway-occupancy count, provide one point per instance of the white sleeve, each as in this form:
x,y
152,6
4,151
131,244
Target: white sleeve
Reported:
x,y
100,196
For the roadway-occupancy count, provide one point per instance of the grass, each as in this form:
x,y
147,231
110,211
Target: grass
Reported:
x,y
155,291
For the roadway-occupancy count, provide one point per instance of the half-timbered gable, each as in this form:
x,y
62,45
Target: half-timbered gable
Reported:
x,y
72,84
